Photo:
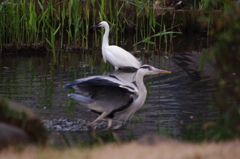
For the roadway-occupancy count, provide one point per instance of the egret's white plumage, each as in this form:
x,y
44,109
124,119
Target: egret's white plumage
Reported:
x,y
112,96
117,56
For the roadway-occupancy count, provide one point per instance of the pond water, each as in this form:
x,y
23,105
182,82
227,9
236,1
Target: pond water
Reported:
x,y
176,101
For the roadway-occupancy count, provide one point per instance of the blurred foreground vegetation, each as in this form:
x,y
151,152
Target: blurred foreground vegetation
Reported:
x,y
226,56
226,52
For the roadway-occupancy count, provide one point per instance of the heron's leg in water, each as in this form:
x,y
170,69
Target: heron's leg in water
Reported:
x,y
118,126
104,114
109,123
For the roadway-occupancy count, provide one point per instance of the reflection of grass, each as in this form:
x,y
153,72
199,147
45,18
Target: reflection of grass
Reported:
x,y
165,128
193,132
69,107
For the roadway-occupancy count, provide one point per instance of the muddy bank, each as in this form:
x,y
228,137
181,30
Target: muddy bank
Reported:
x,y
24,50
39,50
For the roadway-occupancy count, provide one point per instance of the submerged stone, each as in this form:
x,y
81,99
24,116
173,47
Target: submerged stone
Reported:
x,y
64,124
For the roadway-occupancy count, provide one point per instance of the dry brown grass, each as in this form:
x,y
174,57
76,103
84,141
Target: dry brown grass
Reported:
x,y
163,150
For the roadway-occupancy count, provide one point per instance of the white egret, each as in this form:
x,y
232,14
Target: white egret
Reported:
x,y
117,56
111,96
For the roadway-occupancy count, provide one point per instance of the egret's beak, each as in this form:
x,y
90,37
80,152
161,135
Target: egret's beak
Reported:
x,y
95,26
161,71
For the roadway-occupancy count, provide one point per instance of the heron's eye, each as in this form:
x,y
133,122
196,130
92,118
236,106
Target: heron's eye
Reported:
x,y
149,68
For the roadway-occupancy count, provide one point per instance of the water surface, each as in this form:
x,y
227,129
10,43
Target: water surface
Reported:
x,y
174,101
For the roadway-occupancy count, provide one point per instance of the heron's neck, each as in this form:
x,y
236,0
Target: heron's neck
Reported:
x,y
137,103
141,88
105,37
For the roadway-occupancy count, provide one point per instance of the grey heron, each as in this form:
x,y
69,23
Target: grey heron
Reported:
x,y
117,56
111,96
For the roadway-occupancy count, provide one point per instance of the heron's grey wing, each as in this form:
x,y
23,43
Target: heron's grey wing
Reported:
x,y
81,98
128,75
83,84
111,98
104,94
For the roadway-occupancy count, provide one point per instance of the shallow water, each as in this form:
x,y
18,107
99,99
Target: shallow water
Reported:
x,y
174,101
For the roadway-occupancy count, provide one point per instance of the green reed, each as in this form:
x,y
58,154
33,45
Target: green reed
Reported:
x,y
76,21
162,33
31,22
102,12
63,17
51,42
70,4
86,26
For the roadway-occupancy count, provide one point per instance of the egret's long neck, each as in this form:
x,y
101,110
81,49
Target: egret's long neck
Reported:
x,y
105,37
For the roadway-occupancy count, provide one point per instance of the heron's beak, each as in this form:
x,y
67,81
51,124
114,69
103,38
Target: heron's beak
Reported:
x,y
164,71
161,71
95,26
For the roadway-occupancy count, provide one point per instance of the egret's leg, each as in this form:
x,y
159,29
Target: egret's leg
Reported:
x,y
104,114
109,123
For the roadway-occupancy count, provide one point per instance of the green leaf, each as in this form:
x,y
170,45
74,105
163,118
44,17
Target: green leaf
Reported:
x,y
40,5
165,33
57,29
